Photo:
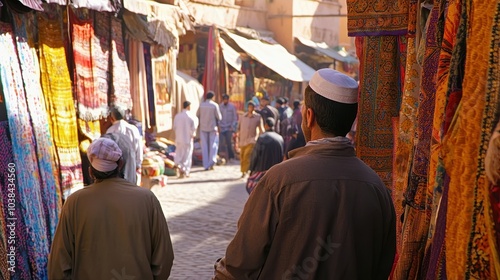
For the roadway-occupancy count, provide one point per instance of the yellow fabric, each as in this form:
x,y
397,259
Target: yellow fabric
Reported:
x,y
467,244
57,90
245,155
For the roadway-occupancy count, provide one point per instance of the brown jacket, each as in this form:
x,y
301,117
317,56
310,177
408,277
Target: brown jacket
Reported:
x,y
111,230
323,214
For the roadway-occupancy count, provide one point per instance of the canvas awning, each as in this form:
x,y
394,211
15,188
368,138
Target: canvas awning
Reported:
x,y
231,56
328,51
275,57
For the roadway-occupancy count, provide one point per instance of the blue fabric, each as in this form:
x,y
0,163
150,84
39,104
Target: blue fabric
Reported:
x,y
209,146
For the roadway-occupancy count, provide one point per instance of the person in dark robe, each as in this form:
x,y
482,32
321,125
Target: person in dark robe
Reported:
x,y
268,149
323,213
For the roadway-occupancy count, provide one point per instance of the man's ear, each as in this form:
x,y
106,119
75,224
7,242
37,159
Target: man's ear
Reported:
x,y
310,117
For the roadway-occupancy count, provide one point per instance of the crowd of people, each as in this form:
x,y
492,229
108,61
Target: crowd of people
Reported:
x,y
311,199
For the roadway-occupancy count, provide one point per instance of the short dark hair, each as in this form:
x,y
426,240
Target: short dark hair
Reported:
x,y
225,96
332,117
280,101
250,103
270,122
210,94
116,113
296,104
186,104
285,99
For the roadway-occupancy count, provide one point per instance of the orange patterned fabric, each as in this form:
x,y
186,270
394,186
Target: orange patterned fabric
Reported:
x,y
469,253
379,100
377,17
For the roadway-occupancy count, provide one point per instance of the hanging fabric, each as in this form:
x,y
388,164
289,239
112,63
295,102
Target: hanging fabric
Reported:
x,y
57,89
27,170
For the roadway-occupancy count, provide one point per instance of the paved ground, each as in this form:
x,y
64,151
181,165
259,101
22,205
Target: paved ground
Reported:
x,y
202,212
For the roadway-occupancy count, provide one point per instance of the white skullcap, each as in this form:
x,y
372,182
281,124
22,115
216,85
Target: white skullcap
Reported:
x,y
103,154
335,86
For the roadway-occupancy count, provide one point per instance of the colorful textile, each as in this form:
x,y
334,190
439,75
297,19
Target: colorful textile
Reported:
x,y
380,94
27,172
100,59
56,85
469,250
377,17
253,179
45,150
12,212
450,69
405,131
120,95
82,32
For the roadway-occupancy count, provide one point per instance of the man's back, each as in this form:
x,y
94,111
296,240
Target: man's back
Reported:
x,y
326,211
209,114
112,229
267,152
185,125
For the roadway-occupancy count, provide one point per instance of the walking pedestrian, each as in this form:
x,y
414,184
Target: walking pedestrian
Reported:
x,y
112,228
268,111
250,127
209,116
119,125
227,126
268,151
185,125
322,214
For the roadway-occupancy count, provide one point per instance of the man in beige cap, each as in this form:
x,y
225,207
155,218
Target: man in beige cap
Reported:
x,y
323,213
112,229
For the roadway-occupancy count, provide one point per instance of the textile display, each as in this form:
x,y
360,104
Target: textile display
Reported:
x,y
416,197
448,93
101,42
405,132
469,251
56,85
13,212
377,17
120,94
23,145
187,58
379,100
91,104
150,87
45,150
138,83
493,89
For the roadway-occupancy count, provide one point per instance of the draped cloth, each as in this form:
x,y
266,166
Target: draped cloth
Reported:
x,y
449,78
120,94
100,55
405,132
416,198
12,213
90,103
379,99
377,17
23,145
470,249
138,83
45,150
56,86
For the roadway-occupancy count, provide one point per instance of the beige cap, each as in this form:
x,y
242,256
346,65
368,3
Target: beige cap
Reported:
x,y
335,86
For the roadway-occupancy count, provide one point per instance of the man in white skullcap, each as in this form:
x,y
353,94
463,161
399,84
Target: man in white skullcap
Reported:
x,y
323,213
112,229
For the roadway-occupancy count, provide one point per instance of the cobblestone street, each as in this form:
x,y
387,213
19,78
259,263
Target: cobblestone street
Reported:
x,y
202,212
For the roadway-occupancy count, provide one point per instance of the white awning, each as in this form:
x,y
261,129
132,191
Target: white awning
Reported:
x,y
231,56
326,50
276,58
